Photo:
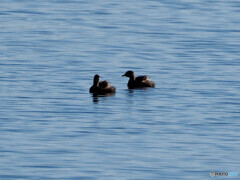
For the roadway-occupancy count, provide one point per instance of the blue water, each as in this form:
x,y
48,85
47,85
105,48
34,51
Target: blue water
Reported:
x,y
52,128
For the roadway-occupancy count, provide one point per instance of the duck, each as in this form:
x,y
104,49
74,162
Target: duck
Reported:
x,y
138,82
101,87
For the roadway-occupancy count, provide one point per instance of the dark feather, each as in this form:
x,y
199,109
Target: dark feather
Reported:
x,y
142,78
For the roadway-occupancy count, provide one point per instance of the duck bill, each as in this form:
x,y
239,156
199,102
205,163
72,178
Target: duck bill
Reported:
x,y
123,75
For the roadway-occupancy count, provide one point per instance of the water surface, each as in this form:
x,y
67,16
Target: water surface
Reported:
x,y
52,128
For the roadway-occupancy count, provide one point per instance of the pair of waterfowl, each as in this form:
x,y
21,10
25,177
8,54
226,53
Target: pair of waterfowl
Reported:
x,y
104,87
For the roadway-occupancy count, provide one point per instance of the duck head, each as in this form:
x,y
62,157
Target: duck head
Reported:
x,y
129,74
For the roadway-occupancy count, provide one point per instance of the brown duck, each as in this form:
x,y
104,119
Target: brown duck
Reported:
x,y
138,82
101,87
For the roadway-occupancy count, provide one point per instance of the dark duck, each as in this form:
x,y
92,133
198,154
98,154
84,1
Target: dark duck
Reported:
x,y
138,82
101,87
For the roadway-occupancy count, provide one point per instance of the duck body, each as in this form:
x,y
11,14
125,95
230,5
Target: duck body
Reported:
x,y
139,81
101,87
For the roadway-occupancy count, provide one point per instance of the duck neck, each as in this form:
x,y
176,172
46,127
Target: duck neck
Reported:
x,y
132,78
131,81
95,83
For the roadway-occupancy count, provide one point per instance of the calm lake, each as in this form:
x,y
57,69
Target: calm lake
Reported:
x,y
187,126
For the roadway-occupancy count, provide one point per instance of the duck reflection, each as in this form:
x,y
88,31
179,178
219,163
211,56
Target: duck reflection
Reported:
x,y
97,97
130,92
